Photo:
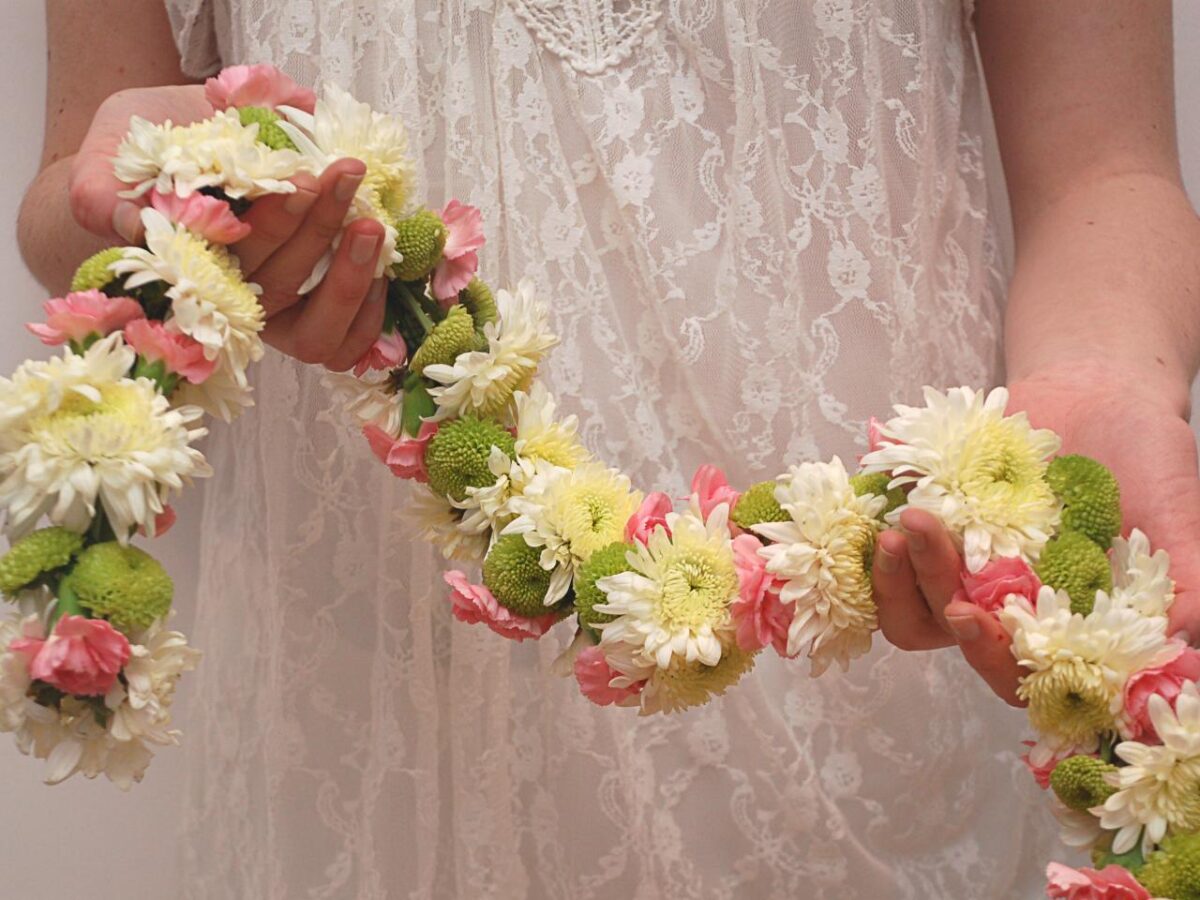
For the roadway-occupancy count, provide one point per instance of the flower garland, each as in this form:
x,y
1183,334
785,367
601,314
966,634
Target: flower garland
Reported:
x,y
670,606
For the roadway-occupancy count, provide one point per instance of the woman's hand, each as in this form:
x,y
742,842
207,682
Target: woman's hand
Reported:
x,y
339,320
1131,421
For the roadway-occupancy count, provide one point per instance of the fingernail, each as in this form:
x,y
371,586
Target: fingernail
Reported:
x,y
917,540
363,248
127,220
346,186
298,202
889,564
965,628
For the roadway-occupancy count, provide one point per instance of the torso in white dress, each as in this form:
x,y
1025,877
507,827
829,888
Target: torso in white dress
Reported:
x,y
758,222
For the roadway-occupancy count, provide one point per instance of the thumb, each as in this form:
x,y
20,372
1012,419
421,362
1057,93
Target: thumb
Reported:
x,y
94,190
986,646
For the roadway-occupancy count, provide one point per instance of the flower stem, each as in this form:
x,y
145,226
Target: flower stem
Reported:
x,y
414,307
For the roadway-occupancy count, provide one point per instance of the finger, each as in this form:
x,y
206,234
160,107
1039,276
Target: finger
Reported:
x,y
364,330
273,220
987,647
935,559
904,617
314,330
282,274
94,191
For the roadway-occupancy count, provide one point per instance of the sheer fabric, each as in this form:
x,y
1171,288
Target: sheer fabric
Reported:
x,y
758,222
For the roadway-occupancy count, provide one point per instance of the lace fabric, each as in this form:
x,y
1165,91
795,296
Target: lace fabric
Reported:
x,y
759,222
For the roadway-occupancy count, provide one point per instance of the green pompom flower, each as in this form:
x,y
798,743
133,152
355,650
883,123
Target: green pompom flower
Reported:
x,y
1075,564
1174,870
453,335
516,579
1079,782
36,554
420,238
457,456
269,132
1090,495
125,585
477,298
877,483
758,505
607,561
94,275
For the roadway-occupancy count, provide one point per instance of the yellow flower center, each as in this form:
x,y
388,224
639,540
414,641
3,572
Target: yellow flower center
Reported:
x,y
1070,699
593,518
1181,796
120,424
1001,471
683,685
698,586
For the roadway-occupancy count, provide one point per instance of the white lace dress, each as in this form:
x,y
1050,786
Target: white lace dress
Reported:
x,y
759,222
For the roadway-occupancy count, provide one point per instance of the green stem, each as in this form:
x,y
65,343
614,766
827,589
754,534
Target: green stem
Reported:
x,y
100,531
67,604
414,307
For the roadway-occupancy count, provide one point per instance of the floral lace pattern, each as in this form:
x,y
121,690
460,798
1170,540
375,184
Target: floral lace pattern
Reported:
x,y
759,221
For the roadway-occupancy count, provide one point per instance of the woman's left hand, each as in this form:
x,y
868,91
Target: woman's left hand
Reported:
x,y
1132,422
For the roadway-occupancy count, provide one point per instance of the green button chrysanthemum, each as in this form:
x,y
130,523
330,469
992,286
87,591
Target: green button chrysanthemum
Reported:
x,y
36,554
1075,564
1174,871
1079,782
477,298
512,573
457,457
269,132
93,274
125,585
607,561
877,483
758,505
420,238
453,335
1090,495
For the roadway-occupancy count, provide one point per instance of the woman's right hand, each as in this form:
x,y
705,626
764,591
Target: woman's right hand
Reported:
x,y
336,322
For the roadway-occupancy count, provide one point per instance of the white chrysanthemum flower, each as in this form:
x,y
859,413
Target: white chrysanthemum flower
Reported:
x,y
223,394
14,671
1160,786
542,436
675,601
76,431
218,152
439,523
342,127
484,381
822,557
373,399
979,471
1077,828
210,301
1140,578
570,514
1078,665
490,509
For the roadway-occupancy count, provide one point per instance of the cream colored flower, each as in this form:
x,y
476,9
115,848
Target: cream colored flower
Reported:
x,y
981,472
822,557
372,399
541,436
439,523
1140,578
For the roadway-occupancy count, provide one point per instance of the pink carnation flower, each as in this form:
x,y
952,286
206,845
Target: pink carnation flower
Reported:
x,y
595,676
83,656
162,522
259,85
1166,681
388,352
711,488
1110,883
473,603
460,259
760,617
650,515
75,316
990,586
405,455
181,354
209,217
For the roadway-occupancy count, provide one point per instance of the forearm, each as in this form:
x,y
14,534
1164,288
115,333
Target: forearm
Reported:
x,y
52,243
1108,279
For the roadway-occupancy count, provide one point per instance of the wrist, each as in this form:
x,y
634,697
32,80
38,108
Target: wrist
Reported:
x,y
1151,380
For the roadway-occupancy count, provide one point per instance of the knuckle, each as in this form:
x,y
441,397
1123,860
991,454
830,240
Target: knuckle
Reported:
x,y
326,228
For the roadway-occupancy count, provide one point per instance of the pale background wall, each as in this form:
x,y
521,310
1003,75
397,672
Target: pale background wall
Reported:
x,y
85,838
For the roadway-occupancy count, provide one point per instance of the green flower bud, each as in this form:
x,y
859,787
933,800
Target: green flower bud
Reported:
x,y
1073,563
125,585
94,274
513,574
457,456
269,132
606,561
453,335
1174,870
35,555
420,238
477,298
758,505
877,483
1079,783
1090,495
